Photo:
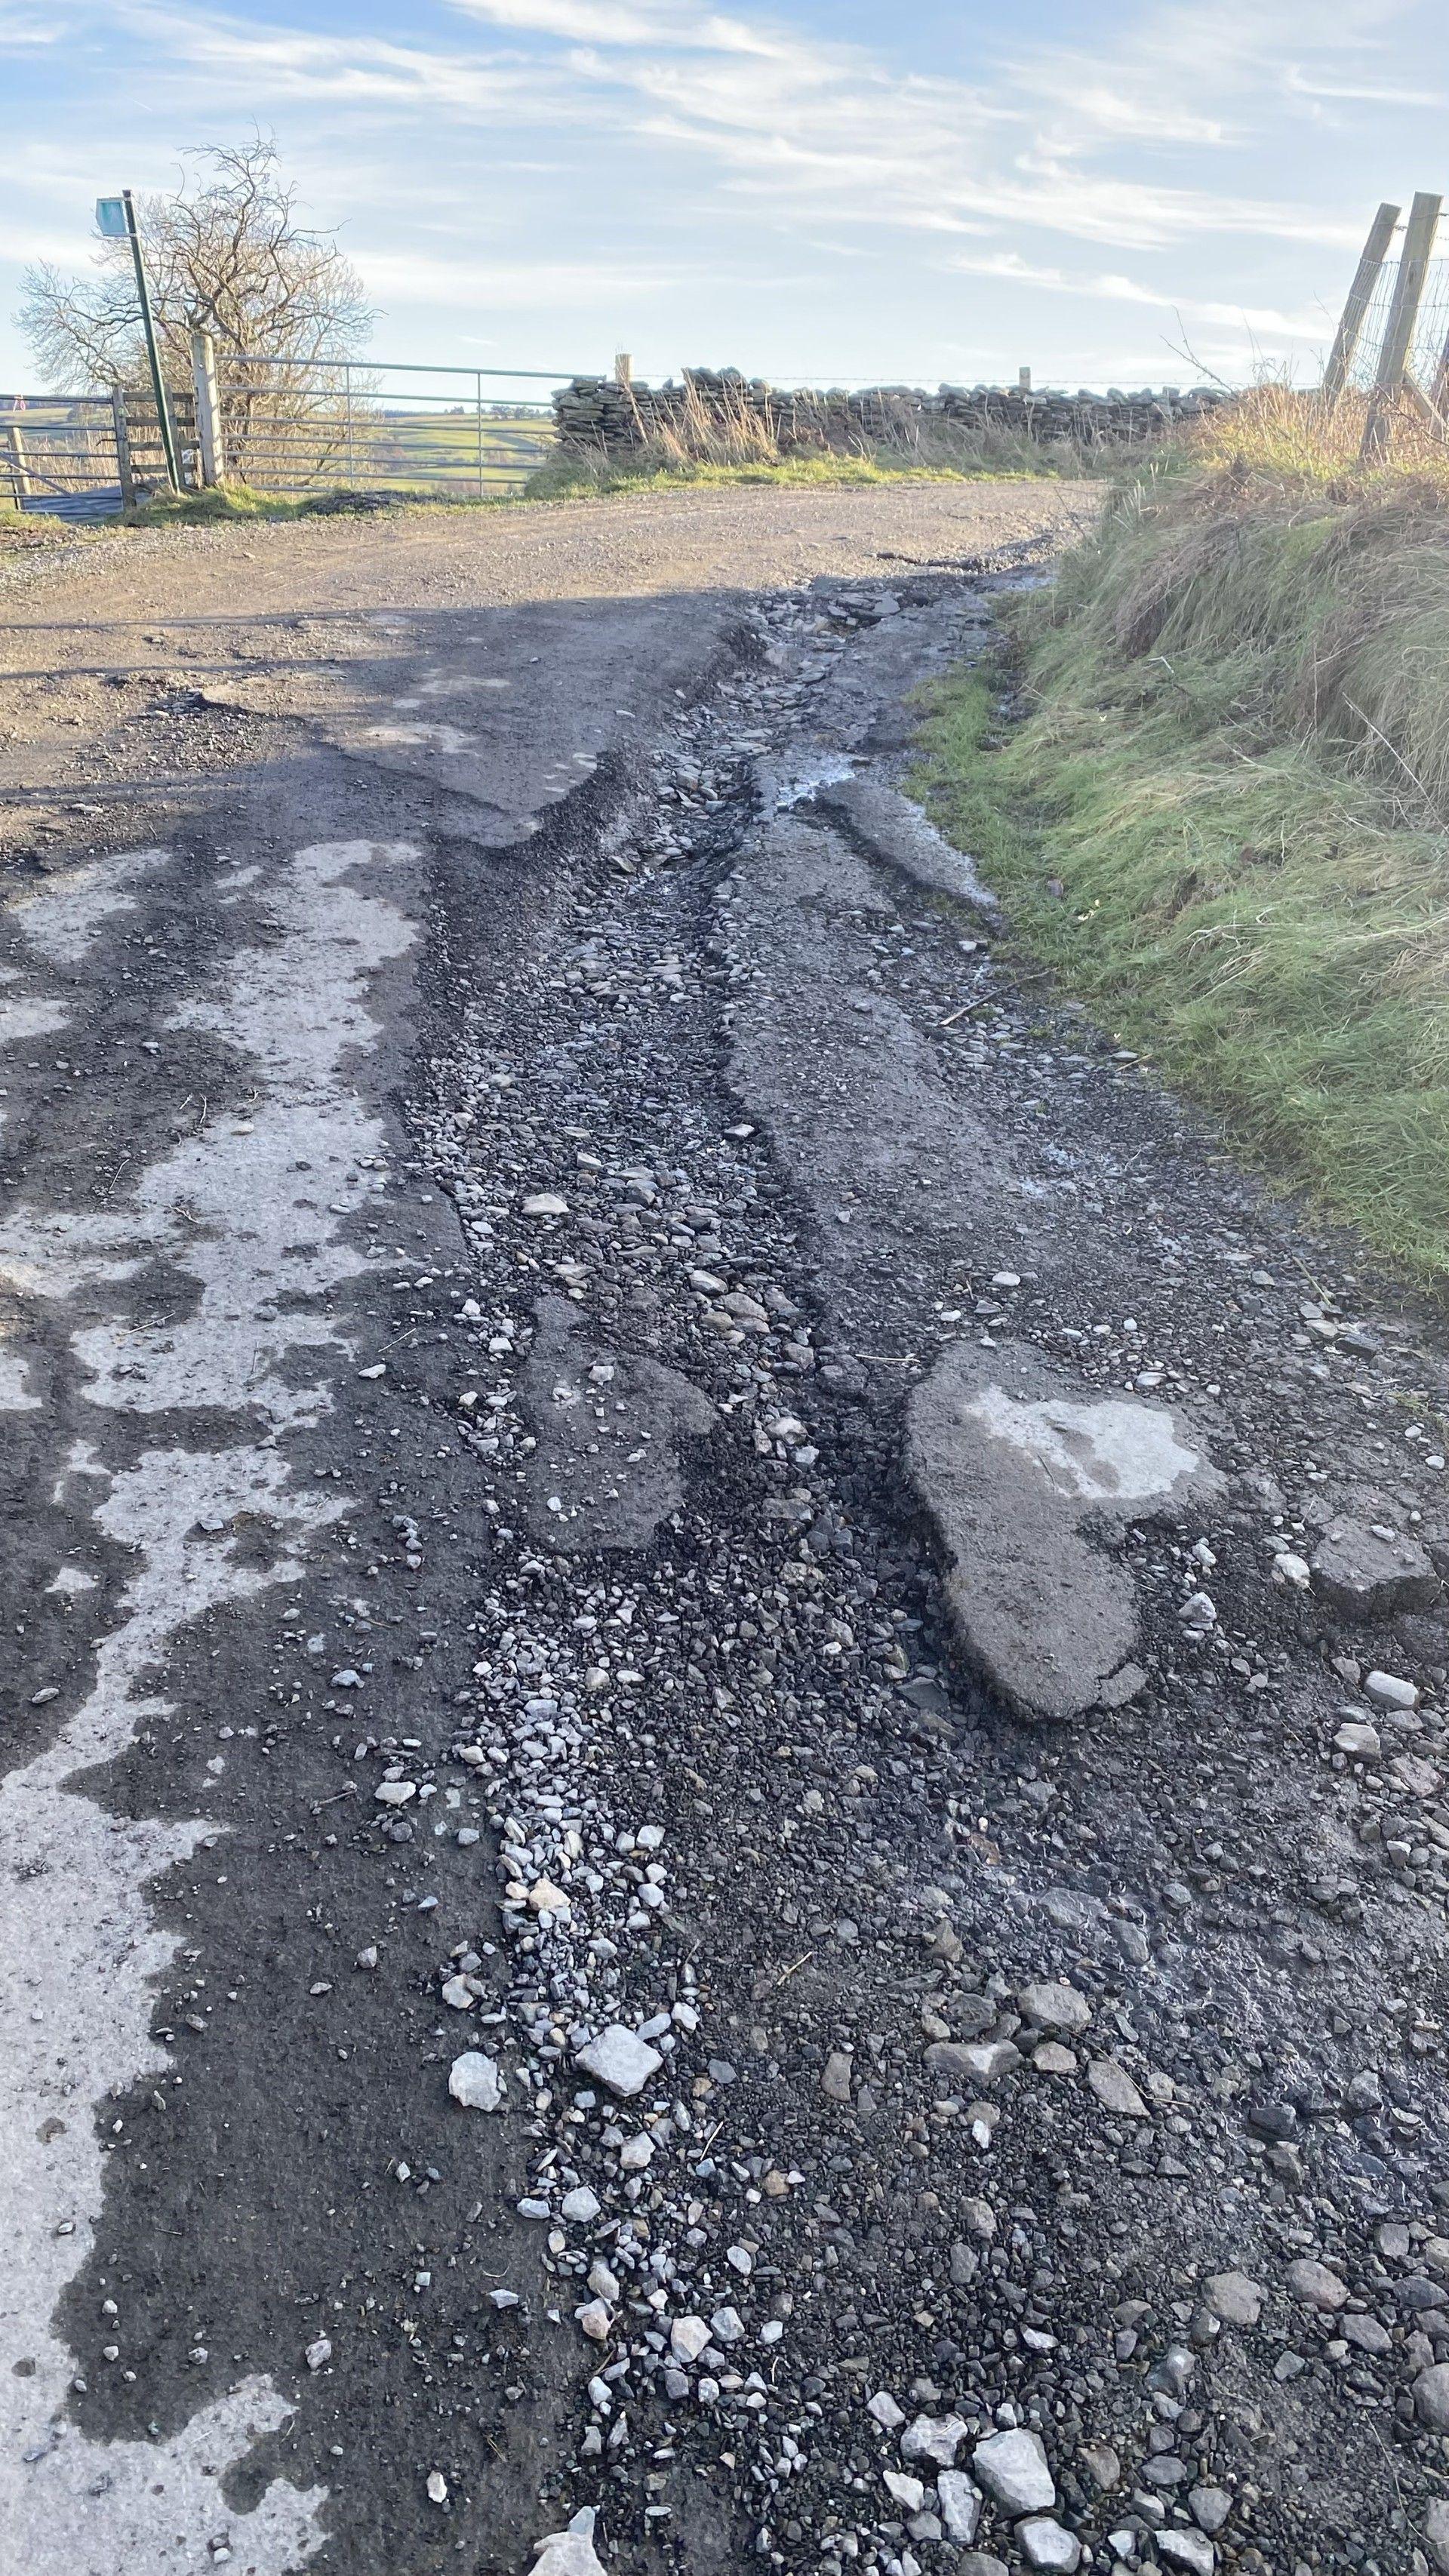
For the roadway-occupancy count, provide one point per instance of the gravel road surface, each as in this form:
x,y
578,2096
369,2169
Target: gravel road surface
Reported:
x,y
724,1833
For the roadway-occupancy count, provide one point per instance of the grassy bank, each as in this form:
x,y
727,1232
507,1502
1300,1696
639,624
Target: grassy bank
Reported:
x,y
1223,816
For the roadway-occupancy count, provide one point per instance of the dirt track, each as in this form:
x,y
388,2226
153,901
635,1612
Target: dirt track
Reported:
x,y
580,1355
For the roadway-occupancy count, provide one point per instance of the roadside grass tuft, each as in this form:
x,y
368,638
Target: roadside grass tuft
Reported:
x,y
1223,814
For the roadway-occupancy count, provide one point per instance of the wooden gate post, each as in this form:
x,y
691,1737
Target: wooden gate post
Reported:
x,y
1399,329
1360,296
209,437
19,463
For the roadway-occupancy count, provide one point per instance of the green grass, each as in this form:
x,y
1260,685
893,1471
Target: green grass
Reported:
x,y
1200,828
573,477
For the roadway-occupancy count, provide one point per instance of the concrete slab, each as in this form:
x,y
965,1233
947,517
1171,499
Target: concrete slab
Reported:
x,y
1021,1469
896,832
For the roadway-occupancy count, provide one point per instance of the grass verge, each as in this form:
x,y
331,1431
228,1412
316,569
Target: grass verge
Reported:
x,y
575,477
1219,812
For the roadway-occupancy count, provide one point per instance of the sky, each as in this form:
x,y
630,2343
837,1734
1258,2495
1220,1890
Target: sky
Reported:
x,y
931,191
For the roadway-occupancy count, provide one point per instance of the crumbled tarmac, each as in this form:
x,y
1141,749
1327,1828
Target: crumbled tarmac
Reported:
x,y
858,2126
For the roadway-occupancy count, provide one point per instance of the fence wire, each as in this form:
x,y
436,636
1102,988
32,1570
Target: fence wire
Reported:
x,y
1431,331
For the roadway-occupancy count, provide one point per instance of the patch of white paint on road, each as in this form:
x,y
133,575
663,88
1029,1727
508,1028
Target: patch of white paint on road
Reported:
x,y
30,1017
77,1973
15,1390
1110,1451
61,918
420,737
252,1214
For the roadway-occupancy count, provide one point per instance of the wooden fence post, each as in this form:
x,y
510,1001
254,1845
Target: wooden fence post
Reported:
x,y
19,463
1360,296
209,436
623,368
125,471
1399,329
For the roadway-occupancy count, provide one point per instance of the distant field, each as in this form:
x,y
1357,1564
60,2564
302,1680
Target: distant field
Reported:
x,y
457,452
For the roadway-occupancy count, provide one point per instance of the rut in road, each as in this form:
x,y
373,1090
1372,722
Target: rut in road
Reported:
x,y
981,2066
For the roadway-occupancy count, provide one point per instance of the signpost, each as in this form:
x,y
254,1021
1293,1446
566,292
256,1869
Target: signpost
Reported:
x,y
116,221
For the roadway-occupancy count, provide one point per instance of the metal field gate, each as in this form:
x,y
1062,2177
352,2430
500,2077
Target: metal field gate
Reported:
x,y
465,433
277,425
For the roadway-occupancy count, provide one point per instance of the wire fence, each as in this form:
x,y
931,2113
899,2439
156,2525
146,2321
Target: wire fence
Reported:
x,y
1429,346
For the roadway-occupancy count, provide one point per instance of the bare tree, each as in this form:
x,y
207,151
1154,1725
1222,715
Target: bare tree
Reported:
x,y
226,251
229,253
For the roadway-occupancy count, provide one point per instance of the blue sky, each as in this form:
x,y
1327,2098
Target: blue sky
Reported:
x,y
814,188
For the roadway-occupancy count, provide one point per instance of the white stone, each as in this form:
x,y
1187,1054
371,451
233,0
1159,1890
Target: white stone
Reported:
x,y
595,2320
960,2504
687,2338
570,2552
936,2438
636,2153
1054,2006
1046,2543
620,2059
1360,1741
1013,2469
1115,2089
476,2081
1183,2548
909,2493
1392,1691
395,1793
885,2410
545,1203
581,2205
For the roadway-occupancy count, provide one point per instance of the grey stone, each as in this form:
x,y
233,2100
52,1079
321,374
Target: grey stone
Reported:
x,y
1045,2543
936,2438
1054,2006
885,2410
1234,2298
972,2061
835,2078
1115,2089
960,2503
1209,2507
1013,2469
1431,2396
1436,2535
1019,1465
1183,2548
1314,2286
619,2059
1102,2465
1368,1576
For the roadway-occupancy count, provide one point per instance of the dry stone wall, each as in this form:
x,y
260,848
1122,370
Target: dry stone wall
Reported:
x,y
595,412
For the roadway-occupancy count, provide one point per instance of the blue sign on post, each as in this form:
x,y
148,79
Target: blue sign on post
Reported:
x,y
111,218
